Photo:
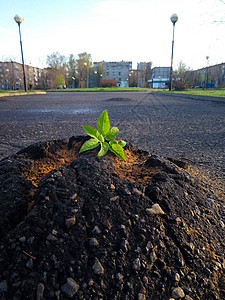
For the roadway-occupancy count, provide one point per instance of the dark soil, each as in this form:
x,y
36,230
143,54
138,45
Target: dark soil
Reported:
x,y
83,227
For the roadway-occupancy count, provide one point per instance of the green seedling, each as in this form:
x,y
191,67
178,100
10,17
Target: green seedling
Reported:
x,y
104,136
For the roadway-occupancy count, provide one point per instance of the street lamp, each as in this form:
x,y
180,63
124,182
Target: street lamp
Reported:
x,y
173,19
87,74
73,78
18,19
137,74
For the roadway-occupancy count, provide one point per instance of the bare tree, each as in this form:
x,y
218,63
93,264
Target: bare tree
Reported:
x,y
57,67
183,76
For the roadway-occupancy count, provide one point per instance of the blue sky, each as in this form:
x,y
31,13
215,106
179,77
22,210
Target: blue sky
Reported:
x,y
114,30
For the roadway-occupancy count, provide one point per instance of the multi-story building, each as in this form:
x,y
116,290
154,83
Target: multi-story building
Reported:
x,y
160,77
211,76
11,76
116,70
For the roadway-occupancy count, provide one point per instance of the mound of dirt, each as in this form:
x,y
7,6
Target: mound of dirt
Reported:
x,y
83,227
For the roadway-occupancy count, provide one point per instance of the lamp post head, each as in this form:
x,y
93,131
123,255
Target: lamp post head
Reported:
x,y
174,18
18,19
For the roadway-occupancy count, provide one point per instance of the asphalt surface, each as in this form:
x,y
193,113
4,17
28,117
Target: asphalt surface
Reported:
x,y
164,125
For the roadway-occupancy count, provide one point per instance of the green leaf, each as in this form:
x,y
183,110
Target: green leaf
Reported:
x,y
104,149
118,150
122,143
88,145
103,123
93,132
112,133
112,142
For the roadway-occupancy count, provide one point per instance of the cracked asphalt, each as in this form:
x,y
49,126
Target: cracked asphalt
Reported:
x,y
165,125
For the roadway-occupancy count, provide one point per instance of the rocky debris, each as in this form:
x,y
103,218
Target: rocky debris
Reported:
x,y
155,210
40,291
70,288
159,238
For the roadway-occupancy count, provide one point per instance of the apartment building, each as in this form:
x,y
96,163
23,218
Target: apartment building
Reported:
x,y
116,70
11,76
160,77
211,76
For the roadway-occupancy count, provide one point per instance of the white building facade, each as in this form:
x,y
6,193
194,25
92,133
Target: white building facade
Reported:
x,y
116,70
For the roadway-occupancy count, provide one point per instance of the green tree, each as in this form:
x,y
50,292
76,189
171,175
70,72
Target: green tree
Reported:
x,y
71,77
60,81
84,66
100,73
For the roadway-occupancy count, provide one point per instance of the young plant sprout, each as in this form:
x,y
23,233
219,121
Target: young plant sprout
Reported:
x,y
105,137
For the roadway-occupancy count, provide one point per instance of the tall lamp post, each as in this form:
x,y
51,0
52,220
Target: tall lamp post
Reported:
x,y
18,19
87,75
173,19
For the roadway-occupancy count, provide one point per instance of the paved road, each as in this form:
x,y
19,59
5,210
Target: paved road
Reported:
x,y
166,125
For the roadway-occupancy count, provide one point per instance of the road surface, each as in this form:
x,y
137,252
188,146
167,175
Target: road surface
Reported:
x,y
164,125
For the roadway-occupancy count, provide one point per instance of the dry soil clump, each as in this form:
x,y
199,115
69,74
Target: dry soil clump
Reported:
x,y
84,227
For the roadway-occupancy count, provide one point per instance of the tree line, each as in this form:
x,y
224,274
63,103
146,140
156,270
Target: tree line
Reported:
x,y
69,71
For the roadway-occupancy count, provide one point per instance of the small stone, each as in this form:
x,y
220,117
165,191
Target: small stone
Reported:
x,y
112,187
70,288
114,198
145,280
125,245
152,257
51,237
97,230
155,210
187,290
74,196
22,239
207,272
70,221
123,227
178,293
178,220
221,224
149,246
125,191
30,263
30,240
93,242
3,286
107,224
191,246
141,296
136,191
40,291
97,267
91,282
177,277
187,298
137,264
119,276
57,294
54,232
